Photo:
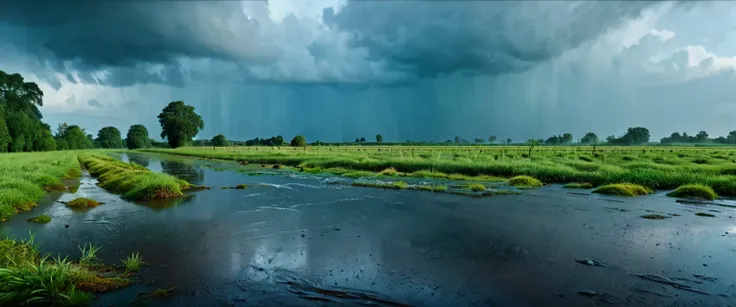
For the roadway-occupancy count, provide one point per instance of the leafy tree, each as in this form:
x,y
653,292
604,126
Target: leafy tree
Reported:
x,y
731,137
357,140
279,140
457,139
179,123
45,142
634,135
567,138
491,139
219,141
19,102
75,138
589,138
5,138
137,137
701,137
379,138
109,137
299,141
362,140
479,140
508,141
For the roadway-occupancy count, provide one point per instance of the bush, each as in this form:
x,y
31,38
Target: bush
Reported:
x,y
622,189
525,181
694,191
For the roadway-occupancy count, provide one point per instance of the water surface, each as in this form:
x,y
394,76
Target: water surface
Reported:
x,y
297,240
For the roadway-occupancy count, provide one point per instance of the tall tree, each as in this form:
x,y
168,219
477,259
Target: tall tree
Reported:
x,y
109,137
298,141
179,123
379,138
74,137
491,139
589,138
567,138
219,141
362,139
137,137
5,138
20,101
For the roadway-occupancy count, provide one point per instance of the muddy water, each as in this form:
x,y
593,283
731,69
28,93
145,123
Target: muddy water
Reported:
x,y
300,241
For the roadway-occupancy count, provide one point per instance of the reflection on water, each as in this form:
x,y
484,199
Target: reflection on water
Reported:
x,y
188,171
141,160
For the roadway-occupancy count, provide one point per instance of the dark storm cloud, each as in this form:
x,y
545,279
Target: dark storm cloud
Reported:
x,y
430,38
91,35
389,41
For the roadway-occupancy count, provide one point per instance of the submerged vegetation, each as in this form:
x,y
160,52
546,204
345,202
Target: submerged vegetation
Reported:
x,y
41,219
131,180
24,178
654,167
29,278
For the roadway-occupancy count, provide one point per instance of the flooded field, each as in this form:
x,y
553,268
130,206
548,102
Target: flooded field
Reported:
x,y
296,239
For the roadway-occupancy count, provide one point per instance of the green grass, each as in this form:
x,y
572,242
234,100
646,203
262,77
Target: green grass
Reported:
x,y
575,185
133,263
525,181
132,181
41,219
82,203
29,278
659,168
476,187
694,191
622,189
89,255
26,177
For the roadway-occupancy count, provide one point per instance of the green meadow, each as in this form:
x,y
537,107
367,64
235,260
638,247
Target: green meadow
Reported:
x,y
652,167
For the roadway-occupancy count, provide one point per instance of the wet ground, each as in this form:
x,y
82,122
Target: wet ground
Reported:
x,y
299,241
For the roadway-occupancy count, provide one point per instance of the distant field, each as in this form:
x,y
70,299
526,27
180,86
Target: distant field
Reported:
x,y
656,167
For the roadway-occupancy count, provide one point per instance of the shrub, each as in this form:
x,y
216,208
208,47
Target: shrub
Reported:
x,y
622,189
694,191
476,187
41,219
525,181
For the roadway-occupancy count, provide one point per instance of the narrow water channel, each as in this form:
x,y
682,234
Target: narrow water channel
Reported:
x,y
296,240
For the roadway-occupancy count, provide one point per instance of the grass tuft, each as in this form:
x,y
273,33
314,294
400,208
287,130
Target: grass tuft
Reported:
x,y
133,263
41,219
694,191
525,181
82,203
476,187
622,189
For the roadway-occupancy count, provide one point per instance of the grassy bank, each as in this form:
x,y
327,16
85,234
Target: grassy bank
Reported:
x,y
29,278
652,167
26,177
131,180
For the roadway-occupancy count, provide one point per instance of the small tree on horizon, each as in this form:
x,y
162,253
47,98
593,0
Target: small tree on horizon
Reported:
x,y
379,138
219,141
491,139
298,141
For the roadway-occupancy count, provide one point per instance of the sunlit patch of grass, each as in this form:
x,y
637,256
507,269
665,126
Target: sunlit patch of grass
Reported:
x,y
525,181
398,185
574,185
389,172
622,189
430,188
82,203
694,191
41,219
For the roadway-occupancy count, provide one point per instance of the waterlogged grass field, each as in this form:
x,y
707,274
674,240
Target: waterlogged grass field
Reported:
x,y
655,167
26,177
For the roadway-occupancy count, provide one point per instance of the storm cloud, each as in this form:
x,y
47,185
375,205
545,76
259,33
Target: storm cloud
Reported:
x,y
335,70
121,43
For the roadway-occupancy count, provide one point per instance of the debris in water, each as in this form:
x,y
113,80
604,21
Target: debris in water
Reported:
x,y
591,262
616,209
706,278
705,214
337,229
667,281
654,217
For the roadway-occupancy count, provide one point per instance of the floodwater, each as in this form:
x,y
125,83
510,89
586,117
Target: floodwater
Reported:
x,y
296,240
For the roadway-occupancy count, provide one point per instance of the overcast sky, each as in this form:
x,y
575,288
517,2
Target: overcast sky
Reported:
x,y
335,70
